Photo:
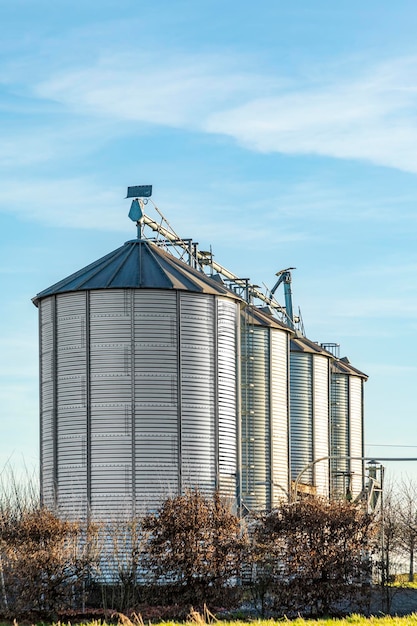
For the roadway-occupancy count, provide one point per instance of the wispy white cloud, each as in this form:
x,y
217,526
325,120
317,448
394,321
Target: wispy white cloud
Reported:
x,y
52,141
82,203
222,221
331,201
170,90
370,116
343,111
67,202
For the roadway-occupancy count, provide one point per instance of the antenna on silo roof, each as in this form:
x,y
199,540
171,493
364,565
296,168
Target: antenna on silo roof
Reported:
x,y
140,193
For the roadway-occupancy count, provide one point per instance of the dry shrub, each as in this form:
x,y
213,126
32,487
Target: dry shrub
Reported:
x,y
45,561
124,620
312,557
121,562
193,549
201,617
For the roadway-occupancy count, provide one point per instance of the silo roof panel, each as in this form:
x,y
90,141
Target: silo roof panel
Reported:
x,y
343,366
254,315
138,264
340,366
302,344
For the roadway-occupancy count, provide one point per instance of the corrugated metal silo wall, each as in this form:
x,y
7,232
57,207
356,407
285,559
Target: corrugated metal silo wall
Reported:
x,y
227,340
347,433
155,395
144,400
264,375
47,399
301,415
321,412
198,391
255,417
356,433
279,415
339,440
63,359
110,402
309,418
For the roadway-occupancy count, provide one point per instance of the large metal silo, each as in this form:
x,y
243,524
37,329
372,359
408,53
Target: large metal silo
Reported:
x,y
264,382
309,415
346,429
138,384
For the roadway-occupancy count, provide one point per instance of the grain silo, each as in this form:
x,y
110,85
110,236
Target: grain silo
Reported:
x,y
346,429
309,415
158,375
265,410
139,383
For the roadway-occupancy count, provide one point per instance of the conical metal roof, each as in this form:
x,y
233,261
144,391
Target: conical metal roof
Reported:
x,y
340,366
302,344
257,317
344,366
138,264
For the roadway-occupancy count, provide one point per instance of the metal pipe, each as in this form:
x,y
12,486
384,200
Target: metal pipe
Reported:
x,y
200,257
351,458
288,301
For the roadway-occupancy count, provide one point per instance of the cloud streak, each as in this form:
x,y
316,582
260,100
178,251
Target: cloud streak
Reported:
x,y
65,202
369,117
166,90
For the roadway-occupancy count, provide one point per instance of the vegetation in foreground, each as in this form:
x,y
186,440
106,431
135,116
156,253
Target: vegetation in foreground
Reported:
x,y
355,620
403,581
359,620
308,558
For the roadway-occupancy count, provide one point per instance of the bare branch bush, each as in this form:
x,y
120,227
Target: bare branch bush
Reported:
x,y
312,558
44,560
121,564
407,514
388,520
193,550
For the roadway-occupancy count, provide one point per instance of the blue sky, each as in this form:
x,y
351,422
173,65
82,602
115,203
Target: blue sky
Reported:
x,y
282,134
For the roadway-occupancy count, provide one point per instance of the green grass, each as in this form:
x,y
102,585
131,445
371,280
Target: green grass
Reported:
x,y
356,620
353,619
401,580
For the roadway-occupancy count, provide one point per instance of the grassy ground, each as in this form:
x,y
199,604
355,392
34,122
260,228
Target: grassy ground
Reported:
x,y
197,619
401,580
355,620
